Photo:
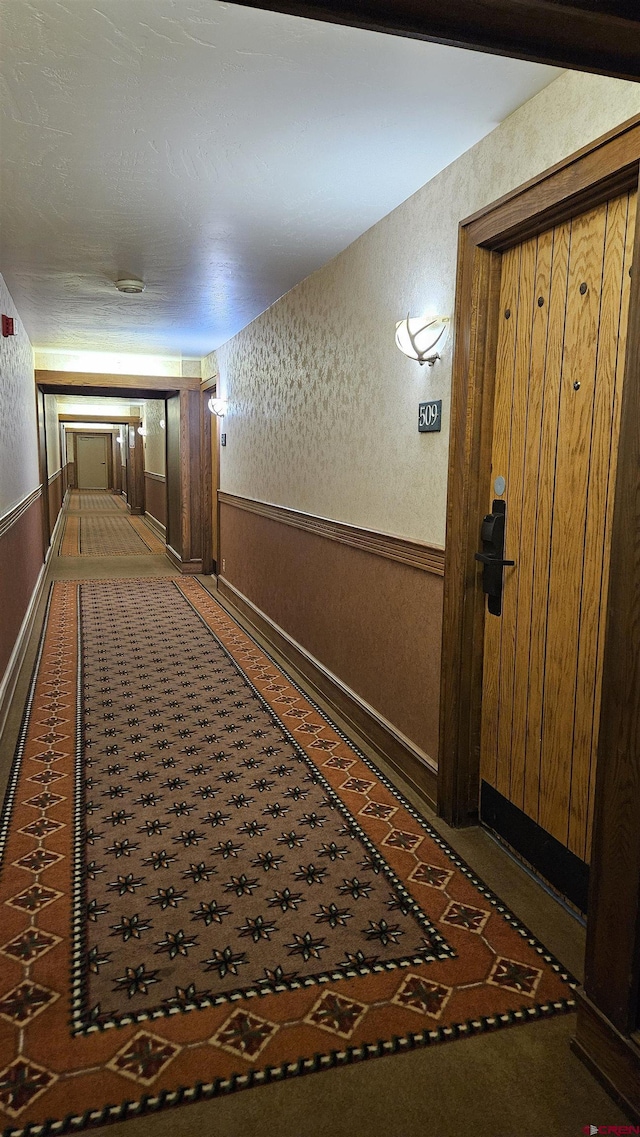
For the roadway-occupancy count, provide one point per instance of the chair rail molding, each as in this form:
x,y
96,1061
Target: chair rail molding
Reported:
x,y
14,514
417,554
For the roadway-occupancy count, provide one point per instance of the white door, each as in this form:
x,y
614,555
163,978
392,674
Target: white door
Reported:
x,y
91,461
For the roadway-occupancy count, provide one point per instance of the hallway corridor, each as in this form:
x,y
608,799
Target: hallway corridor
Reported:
x,y
239,895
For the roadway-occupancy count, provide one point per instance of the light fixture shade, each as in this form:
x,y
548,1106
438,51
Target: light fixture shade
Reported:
x,y
218,407
143,431
131,287
422,337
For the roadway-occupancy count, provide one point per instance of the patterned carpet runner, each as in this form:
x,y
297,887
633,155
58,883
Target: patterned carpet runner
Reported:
x,y
94,501
248,897
96,535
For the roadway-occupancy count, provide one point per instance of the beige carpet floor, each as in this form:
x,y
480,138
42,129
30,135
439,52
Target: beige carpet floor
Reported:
x,y
523,1082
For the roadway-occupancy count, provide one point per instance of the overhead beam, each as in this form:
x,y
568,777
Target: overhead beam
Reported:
x,y
121,386
96,419
602,36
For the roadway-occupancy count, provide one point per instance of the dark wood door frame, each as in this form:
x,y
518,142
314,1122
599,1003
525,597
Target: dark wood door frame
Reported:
x,y
608,1013
591,35
189,535
43,471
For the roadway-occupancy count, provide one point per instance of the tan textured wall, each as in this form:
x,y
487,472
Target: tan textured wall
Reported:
x,y
18,431
322,406
153,413
108,362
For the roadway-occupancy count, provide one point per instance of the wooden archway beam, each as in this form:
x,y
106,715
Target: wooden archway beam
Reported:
x,y
602,36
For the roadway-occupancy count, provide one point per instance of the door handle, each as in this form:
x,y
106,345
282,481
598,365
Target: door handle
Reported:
x,y
492,556
488,559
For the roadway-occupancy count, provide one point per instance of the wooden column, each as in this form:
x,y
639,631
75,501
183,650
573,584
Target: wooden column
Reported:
x,y
135,470
184,481
208,429
43,472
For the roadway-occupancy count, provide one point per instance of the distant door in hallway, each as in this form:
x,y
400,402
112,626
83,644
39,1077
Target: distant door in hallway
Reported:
x,y
91,459
560,360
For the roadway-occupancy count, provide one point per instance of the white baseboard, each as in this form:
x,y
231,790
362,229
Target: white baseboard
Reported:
x,y
16,659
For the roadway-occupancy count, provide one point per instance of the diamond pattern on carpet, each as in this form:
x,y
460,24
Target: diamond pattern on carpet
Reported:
x,y
95,501
226,860
248,896
110,537
106,536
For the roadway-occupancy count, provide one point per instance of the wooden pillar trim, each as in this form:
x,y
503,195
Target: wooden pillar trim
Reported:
x,y
463,619
135,470
42,464
206,482
612,977
184,481
190,479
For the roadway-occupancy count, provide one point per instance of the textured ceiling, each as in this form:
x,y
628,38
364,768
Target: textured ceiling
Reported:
x,y
218,152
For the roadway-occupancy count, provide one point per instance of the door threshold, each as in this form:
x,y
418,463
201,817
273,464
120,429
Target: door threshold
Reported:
x,y
530,872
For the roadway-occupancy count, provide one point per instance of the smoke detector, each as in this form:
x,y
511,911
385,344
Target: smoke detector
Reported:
x,y
130,286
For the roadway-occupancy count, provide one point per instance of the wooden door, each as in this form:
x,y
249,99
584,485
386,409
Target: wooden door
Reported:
x,y
560,359
91,458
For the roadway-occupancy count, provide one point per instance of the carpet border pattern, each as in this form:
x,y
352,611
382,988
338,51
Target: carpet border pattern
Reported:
x,y
149,1103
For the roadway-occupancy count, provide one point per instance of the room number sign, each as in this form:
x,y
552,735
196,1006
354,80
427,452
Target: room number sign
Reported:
x,y
430,416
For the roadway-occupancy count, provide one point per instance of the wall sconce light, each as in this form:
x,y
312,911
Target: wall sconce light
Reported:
x,y
143,431
162,424
217,407
418,337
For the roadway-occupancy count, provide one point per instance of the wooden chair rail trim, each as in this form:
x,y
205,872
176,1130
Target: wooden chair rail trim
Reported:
x,y
416,554
154,477
15,513
54,475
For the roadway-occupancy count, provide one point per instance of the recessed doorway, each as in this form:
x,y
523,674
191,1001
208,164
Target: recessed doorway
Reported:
x,y
92,462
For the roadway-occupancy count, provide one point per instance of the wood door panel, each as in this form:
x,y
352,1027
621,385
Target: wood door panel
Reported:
x,y
544,516
601,443
569,515
514,477
529,508
556,419
505,367
612,458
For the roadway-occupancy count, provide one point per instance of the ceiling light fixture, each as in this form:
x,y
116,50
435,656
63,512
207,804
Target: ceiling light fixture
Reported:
x,y
417,337
131,287
217,407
